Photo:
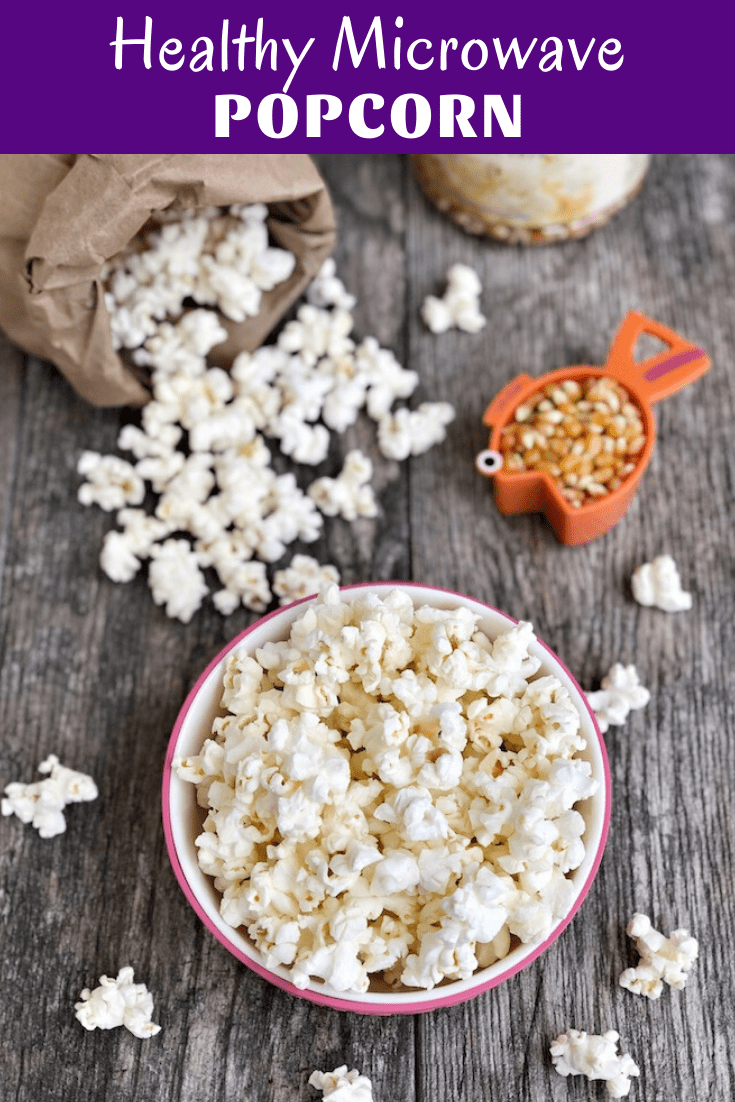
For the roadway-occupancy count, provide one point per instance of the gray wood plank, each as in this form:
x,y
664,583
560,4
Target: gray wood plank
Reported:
x,y
670,255
96,673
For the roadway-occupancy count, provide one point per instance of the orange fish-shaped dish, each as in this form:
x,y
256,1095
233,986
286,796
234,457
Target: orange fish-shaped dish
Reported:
x,y
535,490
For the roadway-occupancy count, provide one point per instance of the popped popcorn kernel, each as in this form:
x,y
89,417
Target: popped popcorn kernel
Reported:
x,y
621,693
342,1085
117,1002
658,584
304,576
460,305
663,959
578,1053
42,803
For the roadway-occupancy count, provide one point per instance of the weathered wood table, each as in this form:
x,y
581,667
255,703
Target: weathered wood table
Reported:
x,y
95,673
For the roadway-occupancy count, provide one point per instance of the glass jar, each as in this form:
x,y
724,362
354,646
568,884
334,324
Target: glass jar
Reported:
x,y
532,198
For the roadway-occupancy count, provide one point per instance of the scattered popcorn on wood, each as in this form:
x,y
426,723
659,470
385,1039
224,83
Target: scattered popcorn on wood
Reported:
x,y
658,584
117,1002
460,305
663,959
342,1085
620,694
302,578
390,791
597,1057
201,446
42,803
586,435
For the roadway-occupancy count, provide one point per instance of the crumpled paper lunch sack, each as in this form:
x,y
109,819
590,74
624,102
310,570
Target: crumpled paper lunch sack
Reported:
x,y
62,216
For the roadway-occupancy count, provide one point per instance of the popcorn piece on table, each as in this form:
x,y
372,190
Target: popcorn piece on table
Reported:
x,y
663,959
42,803
326,289
621,692
460,305
245,583
316,332
301,578
342,1085
350,494
412,432
578,1053
111,481
117,559
384,377
118,1002
175,579
658,584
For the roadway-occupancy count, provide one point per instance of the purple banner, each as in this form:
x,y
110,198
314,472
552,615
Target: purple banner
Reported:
x,y
141,75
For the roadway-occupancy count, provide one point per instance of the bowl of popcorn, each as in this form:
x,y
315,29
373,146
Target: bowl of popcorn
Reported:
x,y
386,798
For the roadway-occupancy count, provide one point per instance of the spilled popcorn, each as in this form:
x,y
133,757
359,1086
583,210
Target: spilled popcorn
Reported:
x,y
620,694
579,1053
42,803
342,1085
201,447
663,959
658,584
303,577
117,1002
390,791
459,307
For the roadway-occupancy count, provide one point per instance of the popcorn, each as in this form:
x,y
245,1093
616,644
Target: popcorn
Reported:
x,y
621,692
176,580
460,305
118,1002
317,332
117,558
112,482
327,290
215,259
342,1085
351,784
386,380
579,1053
303,577
411,432
657,583
42,803
349,495
200,446
663,959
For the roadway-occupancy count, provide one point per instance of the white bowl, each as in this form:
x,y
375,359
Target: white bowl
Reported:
x,y
182,818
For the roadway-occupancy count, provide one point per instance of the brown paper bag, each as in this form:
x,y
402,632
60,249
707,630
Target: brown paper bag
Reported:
x,y
63,215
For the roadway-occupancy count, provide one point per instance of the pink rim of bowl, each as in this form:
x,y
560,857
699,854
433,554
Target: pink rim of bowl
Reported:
x,y
181,817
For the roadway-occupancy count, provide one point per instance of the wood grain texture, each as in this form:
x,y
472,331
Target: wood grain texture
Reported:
x,y
96,673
